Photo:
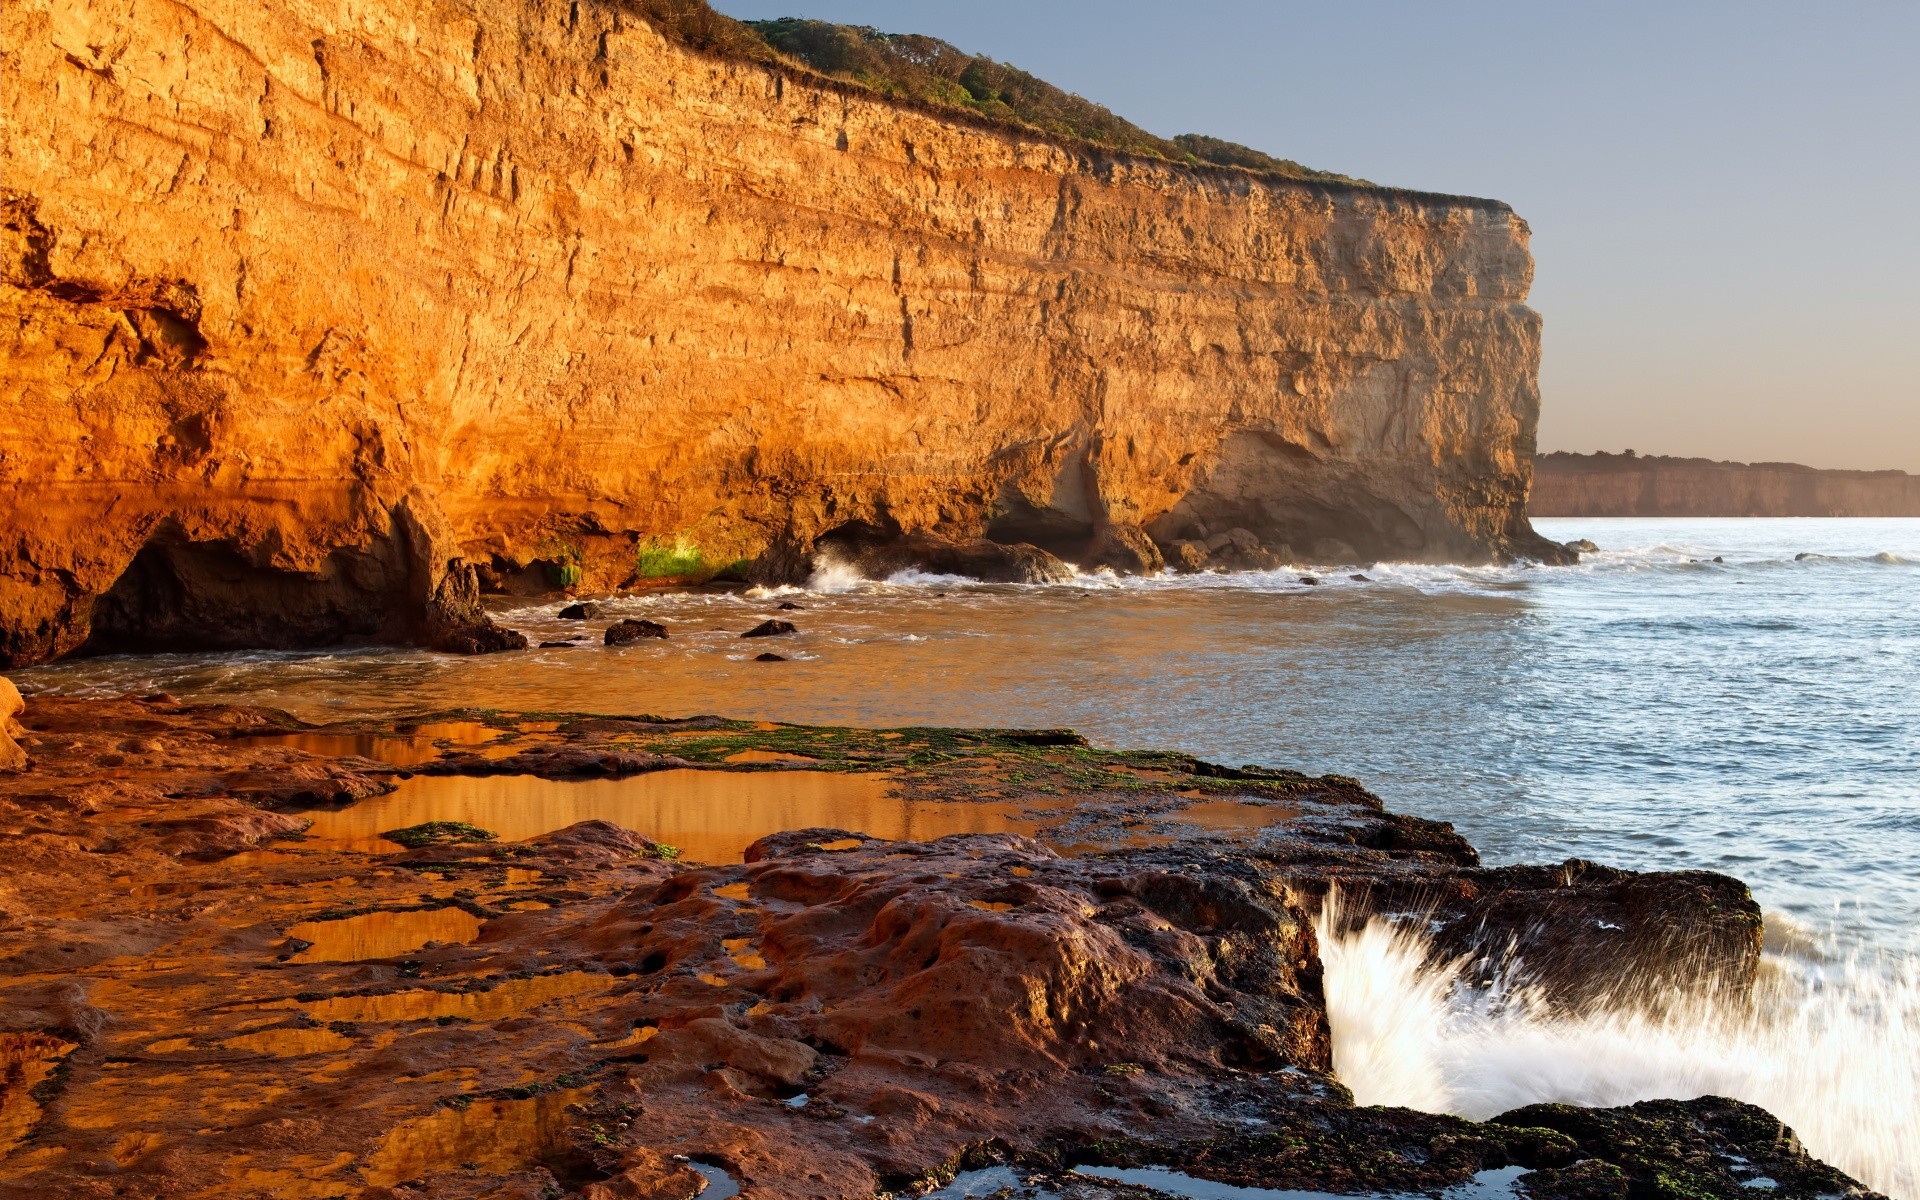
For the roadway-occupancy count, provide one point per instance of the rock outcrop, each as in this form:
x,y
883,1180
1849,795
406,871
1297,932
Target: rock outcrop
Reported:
x,y
1629,485
450,1013
318,318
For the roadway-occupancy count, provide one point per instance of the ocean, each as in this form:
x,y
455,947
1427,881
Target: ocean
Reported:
x,y
1732,695
1729,695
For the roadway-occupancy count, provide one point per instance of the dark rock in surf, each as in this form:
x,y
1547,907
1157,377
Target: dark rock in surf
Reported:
x,y
1705,1147
790,606
557,645
987,561
770,657
1309,581
770,629
631,630
477,637
1123,548
1186,555
1361,578
579,612
1581,546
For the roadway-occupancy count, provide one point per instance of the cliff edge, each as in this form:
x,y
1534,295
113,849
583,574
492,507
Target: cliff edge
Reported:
x,y
320,320
1630,485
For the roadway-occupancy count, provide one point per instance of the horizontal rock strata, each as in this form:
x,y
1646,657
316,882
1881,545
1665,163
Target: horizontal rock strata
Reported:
x,y
1619,485
194,1002
320,318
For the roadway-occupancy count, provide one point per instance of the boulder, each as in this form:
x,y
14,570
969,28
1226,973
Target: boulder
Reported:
x,y
12,757
579,612
631,630
1187,555
1123,548
978,558
476,637
770,629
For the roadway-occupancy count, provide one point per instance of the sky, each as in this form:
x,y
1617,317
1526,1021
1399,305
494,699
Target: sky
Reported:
x,y
1724,197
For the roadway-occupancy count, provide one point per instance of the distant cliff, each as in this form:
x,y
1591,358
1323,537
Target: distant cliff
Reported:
x,y
317,320
1620,485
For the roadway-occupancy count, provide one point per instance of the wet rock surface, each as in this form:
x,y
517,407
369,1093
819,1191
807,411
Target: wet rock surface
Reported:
x,y
195,1001
632,630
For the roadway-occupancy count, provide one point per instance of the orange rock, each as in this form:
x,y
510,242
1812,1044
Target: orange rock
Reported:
x,y
319,316
12,757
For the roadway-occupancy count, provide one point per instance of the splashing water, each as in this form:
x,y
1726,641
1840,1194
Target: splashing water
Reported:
x,y
1831,1048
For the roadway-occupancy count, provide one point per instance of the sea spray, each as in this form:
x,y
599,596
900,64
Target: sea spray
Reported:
x,y
1829,1044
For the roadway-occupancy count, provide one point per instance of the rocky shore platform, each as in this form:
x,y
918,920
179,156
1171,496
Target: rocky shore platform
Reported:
x,y
220,978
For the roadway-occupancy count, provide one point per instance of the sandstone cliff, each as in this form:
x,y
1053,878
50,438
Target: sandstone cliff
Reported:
x,y
1616,485
320,318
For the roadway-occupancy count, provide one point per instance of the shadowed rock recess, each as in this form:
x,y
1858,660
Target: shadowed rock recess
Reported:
x,y
206,990
320,320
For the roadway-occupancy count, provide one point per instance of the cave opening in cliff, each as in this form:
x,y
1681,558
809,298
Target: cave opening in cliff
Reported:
x,y
182,595
848,541
1057,533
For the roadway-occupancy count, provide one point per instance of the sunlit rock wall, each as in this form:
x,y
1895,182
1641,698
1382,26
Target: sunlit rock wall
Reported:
x,y
335,301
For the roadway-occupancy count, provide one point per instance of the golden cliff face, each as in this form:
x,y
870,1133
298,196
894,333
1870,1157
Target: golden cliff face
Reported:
x,y
310,308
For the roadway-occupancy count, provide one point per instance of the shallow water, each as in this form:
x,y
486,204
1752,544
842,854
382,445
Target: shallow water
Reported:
x,y
382,934
710,816
1649,708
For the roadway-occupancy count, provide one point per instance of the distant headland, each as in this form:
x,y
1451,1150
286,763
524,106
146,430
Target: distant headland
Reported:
x,y
1633,485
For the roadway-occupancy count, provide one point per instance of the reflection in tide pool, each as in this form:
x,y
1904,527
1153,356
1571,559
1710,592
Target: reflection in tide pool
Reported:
x,y
1648,708
711,816
382,934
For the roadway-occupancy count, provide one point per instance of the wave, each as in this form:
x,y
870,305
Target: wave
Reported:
x,y
1830,1043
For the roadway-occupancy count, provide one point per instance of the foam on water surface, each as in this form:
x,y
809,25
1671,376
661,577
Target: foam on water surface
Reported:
x,y
1830,1046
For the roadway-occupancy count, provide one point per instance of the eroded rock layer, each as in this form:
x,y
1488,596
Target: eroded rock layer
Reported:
x,y
338,302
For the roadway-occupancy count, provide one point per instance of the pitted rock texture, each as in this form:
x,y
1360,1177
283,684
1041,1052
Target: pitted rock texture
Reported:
x,y
196,1002
336,303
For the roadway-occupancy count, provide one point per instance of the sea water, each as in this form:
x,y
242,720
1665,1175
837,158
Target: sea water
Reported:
x,y
1731,695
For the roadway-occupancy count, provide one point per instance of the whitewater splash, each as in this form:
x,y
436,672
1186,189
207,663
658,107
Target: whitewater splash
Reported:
x,y
1832,1049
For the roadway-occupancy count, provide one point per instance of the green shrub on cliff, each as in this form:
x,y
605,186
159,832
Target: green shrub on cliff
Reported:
x,y
924,70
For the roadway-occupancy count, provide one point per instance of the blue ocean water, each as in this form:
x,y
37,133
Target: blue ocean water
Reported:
x,y
1737,695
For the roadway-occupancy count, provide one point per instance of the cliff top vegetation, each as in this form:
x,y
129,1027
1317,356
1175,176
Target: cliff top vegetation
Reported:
x,y
930,73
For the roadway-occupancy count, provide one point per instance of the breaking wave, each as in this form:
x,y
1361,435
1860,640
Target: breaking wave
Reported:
x,y
1830,1044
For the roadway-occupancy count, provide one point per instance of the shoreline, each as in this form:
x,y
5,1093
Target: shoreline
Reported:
x,y
1132,948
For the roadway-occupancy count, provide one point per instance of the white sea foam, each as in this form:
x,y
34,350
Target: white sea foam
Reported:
x,y
1830,1045
833,577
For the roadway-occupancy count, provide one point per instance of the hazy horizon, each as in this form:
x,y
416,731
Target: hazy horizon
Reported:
x,y
1716,192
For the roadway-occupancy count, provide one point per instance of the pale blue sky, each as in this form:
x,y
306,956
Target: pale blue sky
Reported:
x,y
1725,197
